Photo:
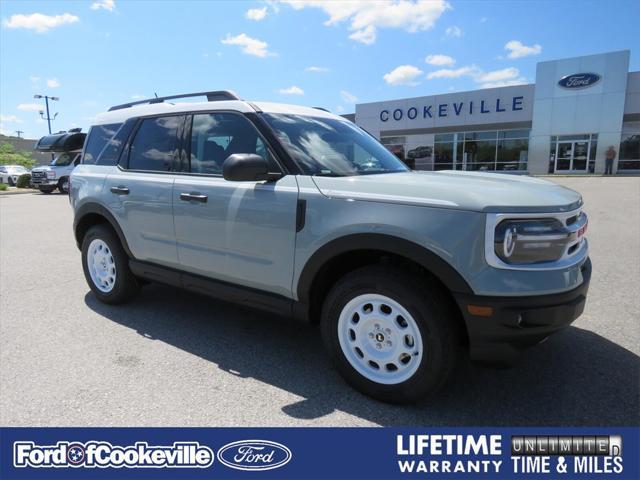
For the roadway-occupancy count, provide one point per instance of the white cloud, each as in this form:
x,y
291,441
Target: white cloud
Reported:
x,y
53,83
316,69
339,109
517,49
367,35
39,22
367,16
403,75
104,4
440,60
256,14
30,107
34,79
500,78
452,73
137,96
498,75
453,31
10,119
348,97
292,90
495,78
248,45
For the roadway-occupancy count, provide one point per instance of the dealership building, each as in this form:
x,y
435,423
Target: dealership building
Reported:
x,y
563,123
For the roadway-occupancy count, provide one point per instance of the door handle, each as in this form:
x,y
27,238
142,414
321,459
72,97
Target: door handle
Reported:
x,y
120,190
193,197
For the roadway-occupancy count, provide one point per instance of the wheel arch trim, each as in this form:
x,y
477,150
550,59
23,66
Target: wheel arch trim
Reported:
x,y
412,251
93,208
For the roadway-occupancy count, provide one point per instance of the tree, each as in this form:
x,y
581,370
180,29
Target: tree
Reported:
x,y
9,156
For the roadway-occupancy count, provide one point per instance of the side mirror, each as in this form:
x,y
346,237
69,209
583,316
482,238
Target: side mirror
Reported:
x,y
246,167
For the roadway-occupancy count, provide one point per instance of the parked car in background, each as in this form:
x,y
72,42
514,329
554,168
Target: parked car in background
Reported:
x,y
68,145
9,173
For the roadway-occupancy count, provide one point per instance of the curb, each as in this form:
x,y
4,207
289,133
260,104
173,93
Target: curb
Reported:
x,y
18,191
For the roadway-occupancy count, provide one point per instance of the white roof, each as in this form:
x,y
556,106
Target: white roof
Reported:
x,y
120,115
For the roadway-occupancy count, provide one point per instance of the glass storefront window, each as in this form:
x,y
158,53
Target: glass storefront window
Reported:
x,y
513,154
444,137
629,158
490,150
479,155
443,156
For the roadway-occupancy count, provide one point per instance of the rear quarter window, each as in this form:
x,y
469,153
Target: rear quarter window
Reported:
x,y
98,137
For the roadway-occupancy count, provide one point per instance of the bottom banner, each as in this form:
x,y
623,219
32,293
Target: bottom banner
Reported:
x,y
319,453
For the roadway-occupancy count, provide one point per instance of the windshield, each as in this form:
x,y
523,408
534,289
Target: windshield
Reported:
x,y
63,159
331,147
17,169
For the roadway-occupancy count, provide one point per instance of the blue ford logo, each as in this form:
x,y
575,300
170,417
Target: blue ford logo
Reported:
x,y
579,80
254,455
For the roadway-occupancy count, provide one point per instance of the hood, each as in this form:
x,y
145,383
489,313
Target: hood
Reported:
x,y
42,168
478,191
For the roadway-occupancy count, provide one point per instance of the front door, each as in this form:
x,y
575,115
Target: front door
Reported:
x,y
238,232
572,156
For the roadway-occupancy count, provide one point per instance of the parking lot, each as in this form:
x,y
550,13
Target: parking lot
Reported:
x,y
172,358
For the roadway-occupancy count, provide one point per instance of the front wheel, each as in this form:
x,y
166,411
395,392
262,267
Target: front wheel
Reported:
x,y
392,335
63,185
106,266
46,190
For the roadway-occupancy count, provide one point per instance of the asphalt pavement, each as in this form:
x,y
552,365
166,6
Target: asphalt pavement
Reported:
x,y
172,358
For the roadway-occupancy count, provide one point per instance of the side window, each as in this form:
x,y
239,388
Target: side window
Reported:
x,y
154,147
98,137
111,152
215,136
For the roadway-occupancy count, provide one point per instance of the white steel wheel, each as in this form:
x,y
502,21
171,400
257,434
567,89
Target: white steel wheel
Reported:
x,y
380,339
101,265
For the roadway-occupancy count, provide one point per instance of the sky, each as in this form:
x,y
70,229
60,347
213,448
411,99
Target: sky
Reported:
x,y
98,53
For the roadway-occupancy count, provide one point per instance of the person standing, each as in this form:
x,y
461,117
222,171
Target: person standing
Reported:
x,y
609,156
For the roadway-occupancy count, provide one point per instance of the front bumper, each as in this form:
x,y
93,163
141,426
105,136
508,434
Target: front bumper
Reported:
x,y
44,182
519,322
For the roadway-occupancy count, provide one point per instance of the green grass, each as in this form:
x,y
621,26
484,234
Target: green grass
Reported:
x,y
3,187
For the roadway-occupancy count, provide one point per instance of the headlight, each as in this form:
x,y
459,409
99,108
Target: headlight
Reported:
x,y
535,241
530,241
51,174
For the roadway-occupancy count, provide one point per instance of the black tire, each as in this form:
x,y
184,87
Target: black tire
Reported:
x,y
430,307
46,190
126,285
63,185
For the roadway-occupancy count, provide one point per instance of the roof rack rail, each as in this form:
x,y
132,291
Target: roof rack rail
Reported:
x,y
214,96
322,108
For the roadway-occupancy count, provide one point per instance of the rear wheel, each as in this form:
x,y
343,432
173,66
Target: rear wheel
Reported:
x,y
106,266
392,335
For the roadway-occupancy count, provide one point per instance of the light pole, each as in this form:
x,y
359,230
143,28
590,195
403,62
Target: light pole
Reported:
x,y
48,118
19,132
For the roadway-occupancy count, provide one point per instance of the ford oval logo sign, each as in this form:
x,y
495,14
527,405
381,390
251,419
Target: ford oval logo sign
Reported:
x,y
579,80
254,455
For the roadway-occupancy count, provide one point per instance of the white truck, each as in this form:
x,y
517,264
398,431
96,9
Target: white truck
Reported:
x,y
68,148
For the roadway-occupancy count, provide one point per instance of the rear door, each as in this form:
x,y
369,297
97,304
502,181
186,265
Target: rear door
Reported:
x,y
240,232
139,191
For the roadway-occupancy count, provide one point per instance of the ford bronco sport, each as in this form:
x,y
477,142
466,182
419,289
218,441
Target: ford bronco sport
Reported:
x,y
300,212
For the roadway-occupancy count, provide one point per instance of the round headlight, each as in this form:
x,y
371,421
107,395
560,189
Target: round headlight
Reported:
x,y
509,242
